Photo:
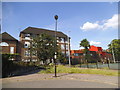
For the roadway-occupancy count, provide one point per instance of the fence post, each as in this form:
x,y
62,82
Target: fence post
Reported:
x,y
108,63
87,63
80,63
97,64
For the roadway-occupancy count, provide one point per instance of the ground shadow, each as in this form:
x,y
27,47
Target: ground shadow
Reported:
x,y
28,72
63,75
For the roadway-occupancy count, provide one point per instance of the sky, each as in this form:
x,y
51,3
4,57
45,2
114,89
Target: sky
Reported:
x,y
95,21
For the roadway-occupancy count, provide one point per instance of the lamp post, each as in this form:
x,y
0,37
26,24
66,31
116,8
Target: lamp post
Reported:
x,y
56,17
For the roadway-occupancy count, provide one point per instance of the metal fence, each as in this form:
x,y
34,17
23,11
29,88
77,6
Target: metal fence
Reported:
x,y
115,66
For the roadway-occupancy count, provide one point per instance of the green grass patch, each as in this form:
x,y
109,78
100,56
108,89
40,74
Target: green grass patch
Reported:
x,y
66,69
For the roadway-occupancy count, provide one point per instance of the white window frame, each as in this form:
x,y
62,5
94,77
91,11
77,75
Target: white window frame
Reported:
x,y
26,53
4,44
62,46
27,43
12,50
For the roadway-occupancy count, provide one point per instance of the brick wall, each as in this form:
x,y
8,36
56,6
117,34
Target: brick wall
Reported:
x,y
12,43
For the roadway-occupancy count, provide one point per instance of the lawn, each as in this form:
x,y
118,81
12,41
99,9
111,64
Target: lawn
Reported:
x,y
66,69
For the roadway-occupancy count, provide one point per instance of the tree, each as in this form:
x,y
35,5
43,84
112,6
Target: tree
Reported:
x,y
44,46
61,58
85,43
114,48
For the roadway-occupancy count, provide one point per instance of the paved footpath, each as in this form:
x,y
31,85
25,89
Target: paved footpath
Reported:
x,y
62,81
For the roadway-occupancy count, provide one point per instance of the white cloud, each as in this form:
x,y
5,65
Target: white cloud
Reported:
x,y
106,24
94,43
81,47
89,26
111,23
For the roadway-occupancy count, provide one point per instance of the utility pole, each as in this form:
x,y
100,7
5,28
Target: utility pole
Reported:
x,y
69,50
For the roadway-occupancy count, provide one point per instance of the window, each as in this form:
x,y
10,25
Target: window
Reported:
x,y
27,53
27,45
27,36
67,53
62,46
57,40
3,44
66,41
63,52
57,37
34,60
76,54
66,47
12,50
62,40
34,35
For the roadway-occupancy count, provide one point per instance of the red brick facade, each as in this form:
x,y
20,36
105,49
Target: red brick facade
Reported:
x,y
93,50
10,45
13,46
30,32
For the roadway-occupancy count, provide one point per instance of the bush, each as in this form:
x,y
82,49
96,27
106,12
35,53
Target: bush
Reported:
x,y
7,65
51,64
31,64
92,61
75,61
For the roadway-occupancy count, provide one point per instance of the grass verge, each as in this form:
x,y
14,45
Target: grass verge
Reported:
x,y
65,69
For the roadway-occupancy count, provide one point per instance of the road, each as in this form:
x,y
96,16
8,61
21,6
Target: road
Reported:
x,y
62,81
58,84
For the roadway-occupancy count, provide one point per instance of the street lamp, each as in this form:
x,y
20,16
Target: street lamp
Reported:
x,y
56,17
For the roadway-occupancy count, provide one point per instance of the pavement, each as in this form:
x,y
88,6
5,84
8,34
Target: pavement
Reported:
x,y
63,80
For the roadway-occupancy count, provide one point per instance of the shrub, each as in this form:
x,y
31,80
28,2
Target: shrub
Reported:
x,y
7,65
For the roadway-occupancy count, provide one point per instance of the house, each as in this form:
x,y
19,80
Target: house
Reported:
x,y
27,34
76,53
9,45
95,52
102,54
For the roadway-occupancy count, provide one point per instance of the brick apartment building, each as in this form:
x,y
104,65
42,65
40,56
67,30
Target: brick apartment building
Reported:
x,y
9,45
95,52
30,32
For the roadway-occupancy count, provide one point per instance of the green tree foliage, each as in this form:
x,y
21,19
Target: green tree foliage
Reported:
x,y
85,43
115,47
61,58
44,45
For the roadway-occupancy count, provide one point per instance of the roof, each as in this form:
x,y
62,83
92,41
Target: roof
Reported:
x,y
94,48
6,36
33,30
